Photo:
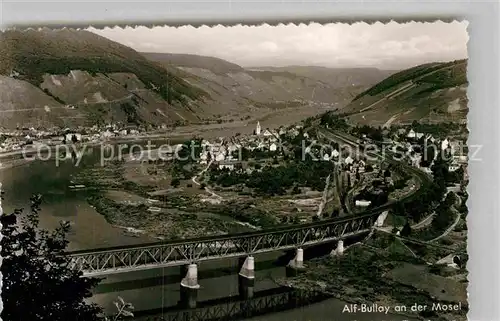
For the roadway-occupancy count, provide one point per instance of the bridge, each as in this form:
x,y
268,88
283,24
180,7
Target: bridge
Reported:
x,y
104,261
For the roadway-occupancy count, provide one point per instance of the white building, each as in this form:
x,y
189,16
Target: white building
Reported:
x,y
444,144
415,160
220,156
267,133
258,129
411,134
455,147
69,137
349,160
363,203
461,159
107,134
335,154
273,147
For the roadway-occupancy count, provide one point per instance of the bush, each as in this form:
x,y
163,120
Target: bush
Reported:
x,y
175,183
38,282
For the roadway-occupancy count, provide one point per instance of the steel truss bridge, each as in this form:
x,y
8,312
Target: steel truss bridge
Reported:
x,y
228,309
113,260
162,254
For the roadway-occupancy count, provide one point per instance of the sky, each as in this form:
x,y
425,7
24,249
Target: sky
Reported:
x,y
384,46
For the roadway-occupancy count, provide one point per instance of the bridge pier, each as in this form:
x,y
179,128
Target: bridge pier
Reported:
x,y
191,279
339,250
247,269
245,287
296,265
298,260
189,286
381,219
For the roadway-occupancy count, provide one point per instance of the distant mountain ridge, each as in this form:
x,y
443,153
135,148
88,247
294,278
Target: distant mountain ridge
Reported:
x,y
336,77
216,65
266,86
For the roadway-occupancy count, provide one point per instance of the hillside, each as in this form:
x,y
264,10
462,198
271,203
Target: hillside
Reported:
x,y
216,65
432,92
336,77
76,67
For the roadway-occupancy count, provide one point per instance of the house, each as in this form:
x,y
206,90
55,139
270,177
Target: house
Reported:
x,y
203,157
335,153
273,147
349,160
415,160
361,166
430,138
456,147
411,134
267,133
444,144
226,166
461,159
426,170
220,156
453,167
107,134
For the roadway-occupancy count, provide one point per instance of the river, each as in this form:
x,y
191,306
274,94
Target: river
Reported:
x,y
153,289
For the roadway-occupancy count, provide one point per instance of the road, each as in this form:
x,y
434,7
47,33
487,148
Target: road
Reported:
x,y
207,189
449,229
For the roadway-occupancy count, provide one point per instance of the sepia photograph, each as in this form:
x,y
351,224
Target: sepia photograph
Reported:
x,y
264,172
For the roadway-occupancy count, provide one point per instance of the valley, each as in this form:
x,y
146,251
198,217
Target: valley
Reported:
x,y
186,186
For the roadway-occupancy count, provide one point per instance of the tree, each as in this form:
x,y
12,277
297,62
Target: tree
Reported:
x,y
38,282
74,139
175,182
406,231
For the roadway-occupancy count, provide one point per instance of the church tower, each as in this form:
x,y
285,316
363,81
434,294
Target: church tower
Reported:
x,y
257,129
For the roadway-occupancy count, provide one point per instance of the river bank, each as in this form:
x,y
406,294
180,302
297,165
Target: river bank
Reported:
x,y
383,272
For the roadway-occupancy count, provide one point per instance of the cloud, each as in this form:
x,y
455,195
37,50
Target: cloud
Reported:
x,y
389,46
